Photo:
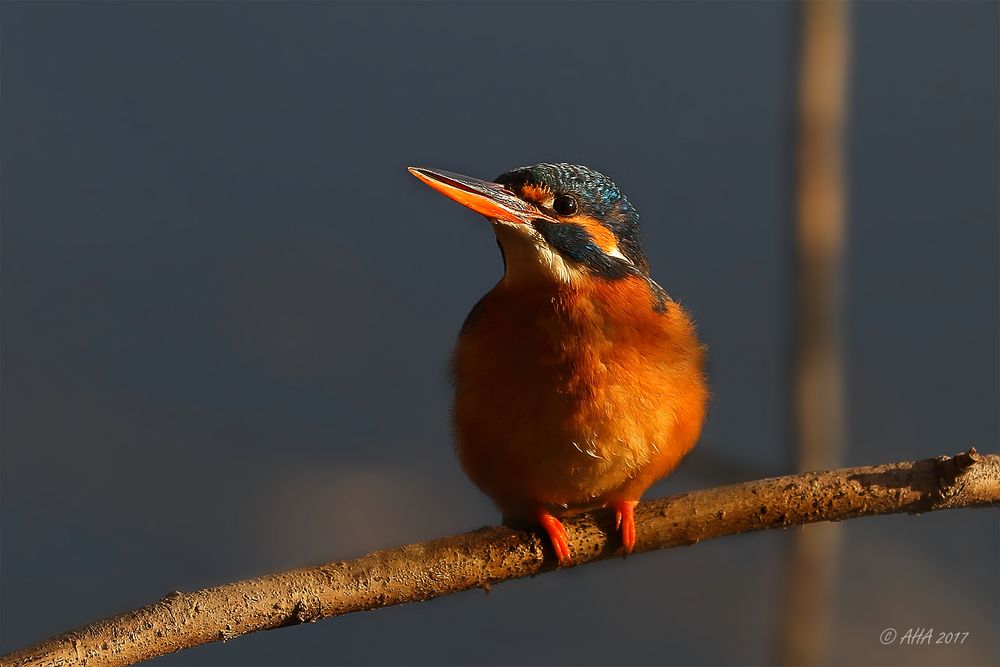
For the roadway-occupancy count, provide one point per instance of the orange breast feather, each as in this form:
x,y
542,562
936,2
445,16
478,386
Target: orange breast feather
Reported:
x,y
572,397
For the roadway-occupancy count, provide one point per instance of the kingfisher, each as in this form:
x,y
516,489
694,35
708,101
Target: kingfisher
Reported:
x,y
578,382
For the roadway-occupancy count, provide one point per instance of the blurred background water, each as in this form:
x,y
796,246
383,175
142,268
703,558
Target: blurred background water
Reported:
x,y
228,309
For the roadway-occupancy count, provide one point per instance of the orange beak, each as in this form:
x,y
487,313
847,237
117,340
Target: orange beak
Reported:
x,y
483,197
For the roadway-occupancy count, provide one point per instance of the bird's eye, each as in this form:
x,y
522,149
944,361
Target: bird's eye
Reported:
x,y
564,205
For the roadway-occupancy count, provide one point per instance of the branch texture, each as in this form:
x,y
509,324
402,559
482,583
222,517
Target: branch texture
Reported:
x,y
491,555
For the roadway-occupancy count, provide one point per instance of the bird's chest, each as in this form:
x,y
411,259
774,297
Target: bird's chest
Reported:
x,y
556,391
544,362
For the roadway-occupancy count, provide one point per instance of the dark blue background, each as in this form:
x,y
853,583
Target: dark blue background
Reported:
x,y
228,309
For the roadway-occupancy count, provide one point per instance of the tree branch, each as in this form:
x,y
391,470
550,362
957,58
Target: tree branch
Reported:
x,y
491,555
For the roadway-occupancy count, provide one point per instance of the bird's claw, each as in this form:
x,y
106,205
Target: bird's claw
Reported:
x,y
625,522
557,536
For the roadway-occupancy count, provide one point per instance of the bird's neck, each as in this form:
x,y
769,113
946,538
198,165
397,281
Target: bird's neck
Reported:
x,y
529,262
587,301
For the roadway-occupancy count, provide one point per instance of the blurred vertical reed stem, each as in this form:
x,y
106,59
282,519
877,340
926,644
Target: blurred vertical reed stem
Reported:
x,y
817,407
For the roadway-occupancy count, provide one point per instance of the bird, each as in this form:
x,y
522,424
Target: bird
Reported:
x,y
578,381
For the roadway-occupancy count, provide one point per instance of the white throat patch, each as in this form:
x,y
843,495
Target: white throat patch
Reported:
x,y
528,257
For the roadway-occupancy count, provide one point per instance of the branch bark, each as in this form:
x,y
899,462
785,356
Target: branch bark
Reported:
x,y
491,555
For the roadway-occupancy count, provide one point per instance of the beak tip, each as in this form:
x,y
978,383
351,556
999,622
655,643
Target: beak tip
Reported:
x,y
420,173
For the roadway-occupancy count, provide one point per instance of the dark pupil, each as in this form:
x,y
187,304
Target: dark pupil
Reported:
x,y
564,205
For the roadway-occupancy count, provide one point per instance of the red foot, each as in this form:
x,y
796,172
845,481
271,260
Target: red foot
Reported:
x,y
557,535
625,522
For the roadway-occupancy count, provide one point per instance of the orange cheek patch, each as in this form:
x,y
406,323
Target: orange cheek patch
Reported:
x,y
603,237
536,194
